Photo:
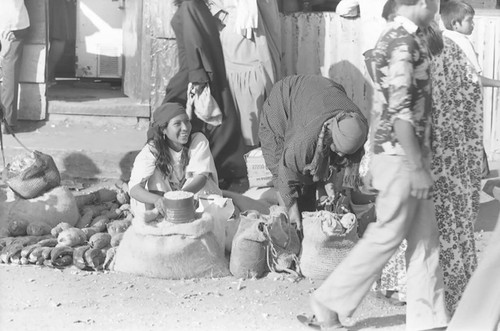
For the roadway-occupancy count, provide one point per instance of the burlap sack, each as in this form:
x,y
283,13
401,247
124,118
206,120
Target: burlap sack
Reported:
x,y
248,252
322,252
170,251
53,207
263,242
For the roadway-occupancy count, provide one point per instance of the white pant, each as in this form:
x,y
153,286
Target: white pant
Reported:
x,y
399,216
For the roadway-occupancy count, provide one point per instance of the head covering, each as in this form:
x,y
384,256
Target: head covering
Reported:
x,y
163,114
166,112
348,134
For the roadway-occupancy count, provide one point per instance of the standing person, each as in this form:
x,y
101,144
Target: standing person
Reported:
x,y
458,19
400,170
14,24
457,132
251,42
308,125
173,159
201,62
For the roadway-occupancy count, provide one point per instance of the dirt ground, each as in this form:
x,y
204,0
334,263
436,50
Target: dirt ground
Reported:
x,y
43,298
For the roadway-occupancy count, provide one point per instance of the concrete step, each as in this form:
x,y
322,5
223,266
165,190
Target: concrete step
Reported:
x,y
81,149
73,97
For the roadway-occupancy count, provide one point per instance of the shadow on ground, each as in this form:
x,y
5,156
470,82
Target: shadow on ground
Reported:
x,y
380,322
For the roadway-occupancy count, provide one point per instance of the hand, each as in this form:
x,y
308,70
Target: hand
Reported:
x,y
160,205
294,216
421,183
6,35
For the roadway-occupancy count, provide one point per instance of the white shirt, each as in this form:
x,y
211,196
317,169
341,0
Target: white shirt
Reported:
x,y
13,15
200,162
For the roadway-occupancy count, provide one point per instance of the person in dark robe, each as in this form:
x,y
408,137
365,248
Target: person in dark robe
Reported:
x,y
309,129
201,62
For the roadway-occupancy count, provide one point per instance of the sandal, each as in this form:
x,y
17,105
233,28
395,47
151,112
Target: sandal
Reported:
x,y
313,323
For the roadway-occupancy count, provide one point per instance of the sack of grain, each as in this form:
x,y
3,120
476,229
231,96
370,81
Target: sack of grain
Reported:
x,y
156,248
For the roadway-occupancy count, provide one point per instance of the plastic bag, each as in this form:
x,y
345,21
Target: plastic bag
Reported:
x,y
204,105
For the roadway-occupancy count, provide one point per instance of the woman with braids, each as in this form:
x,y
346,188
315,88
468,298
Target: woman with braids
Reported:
x,y
172,159
201,63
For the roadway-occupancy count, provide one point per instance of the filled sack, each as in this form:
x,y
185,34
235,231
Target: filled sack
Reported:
x,y
328,238
264,243
156,248
18,215
32,174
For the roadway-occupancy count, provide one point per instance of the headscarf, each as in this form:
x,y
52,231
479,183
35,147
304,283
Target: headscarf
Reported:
x,y
163,114
347,132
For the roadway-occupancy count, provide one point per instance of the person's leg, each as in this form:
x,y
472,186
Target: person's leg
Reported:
x,y
344,289
11,66
426,307
479,307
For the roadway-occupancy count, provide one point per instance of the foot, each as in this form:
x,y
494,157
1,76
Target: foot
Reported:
x,y
328,319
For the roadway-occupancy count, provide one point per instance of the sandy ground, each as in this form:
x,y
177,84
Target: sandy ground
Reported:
x,y
42,298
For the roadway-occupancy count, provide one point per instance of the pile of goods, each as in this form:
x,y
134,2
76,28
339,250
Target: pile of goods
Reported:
x,y
89,244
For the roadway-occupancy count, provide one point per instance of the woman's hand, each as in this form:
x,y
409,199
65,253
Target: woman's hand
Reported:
x,y
294,215
160,205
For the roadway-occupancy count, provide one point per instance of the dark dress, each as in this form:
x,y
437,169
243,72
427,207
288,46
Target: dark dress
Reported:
x,y
290,123
201,61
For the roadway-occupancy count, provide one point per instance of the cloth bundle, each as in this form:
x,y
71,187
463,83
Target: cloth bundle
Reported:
x,y
155,248
34,174
328,238
263,243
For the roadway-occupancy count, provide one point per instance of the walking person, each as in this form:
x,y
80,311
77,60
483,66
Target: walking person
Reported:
x,y
201,62
14,25
400,170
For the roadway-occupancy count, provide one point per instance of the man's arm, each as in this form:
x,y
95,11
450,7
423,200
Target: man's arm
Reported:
x,y
401,77
421,180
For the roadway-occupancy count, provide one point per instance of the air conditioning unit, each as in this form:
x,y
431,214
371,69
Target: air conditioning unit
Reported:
x,y
99,52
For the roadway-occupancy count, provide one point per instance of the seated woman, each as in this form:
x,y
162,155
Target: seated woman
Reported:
x,y
172,159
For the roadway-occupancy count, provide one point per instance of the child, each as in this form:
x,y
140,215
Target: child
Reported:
x,y
458,19
172,159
